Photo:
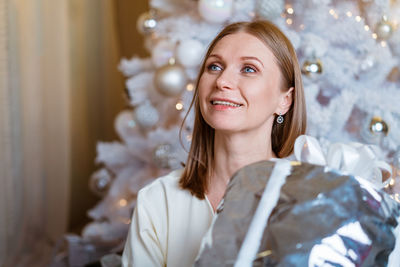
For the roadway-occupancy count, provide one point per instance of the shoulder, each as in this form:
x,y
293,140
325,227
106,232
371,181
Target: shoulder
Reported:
x,y
160,187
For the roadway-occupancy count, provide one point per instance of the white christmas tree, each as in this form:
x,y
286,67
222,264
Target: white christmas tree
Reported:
x,y
350,57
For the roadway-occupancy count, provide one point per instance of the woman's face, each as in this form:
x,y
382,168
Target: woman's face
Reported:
x,y
239,89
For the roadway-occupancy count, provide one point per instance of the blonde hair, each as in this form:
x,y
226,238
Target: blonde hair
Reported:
x,y
201,154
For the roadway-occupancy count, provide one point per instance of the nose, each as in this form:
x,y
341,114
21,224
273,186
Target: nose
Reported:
x,y
226,79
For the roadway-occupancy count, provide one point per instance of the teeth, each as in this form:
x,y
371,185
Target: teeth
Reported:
x,y
225,103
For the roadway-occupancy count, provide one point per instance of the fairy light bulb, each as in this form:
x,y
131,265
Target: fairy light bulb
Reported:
x,y
179,105
122,202
190,87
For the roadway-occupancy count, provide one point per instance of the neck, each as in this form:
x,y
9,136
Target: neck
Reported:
x,y
234,151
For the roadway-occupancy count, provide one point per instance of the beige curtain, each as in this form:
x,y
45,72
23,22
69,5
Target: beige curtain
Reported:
x,y
97,94
34,129
60,91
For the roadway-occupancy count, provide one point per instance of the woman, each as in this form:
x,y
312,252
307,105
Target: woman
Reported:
x,y
249,107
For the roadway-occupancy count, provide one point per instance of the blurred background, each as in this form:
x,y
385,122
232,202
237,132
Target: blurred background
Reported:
x,y
88,115
60,91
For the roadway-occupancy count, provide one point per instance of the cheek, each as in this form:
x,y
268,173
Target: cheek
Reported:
x,y
265,98
203,89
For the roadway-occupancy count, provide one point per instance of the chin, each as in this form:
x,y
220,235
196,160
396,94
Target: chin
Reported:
x,y
225,127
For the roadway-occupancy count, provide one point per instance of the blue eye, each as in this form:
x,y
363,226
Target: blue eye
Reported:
x,y
214,67
248,69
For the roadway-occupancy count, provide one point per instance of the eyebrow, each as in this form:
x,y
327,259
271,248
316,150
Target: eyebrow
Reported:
x,y
253,58
242,58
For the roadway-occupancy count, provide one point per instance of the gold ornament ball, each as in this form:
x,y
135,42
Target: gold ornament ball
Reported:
x,y
384,30
378,126
170,80
311,67
146,23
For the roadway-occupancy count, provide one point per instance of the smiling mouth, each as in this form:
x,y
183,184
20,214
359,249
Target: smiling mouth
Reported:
x,y
225,103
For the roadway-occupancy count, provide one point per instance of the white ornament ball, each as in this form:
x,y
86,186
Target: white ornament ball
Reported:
x,y
124,124
215,11
170,80
162,52
367,63
146,115
189,53
146,23
268,9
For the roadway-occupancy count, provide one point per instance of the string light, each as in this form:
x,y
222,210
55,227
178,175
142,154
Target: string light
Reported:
x,y
358,18
122,202
333,13
289,21
290,10
302,26
190,87
171,61
383,43
179,105
374,35
366,28
349,14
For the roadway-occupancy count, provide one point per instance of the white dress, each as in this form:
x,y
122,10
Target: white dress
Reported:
x,y
167,226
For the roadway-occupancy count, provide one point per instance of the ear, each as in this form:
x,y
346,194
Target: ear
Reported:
x,y
285,101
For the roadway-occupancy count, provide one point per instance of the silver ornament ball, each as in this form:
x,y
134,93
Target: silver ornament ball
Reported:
x,y
146,23
146,115
161,155
312,67
215,11
378,126
170,80
384,30
100,182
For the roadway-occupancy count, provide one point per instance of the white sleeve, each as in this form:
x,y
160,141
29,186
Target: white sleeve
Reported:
x,y
142,247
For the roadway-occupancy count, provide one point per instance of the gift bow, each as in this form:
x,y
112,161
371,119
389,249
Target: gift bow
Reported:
x,y
353,158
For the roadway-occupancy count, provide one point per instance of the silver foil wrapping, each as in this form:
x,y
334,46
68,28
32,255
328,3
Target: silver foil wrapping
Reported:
x,y
322,218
